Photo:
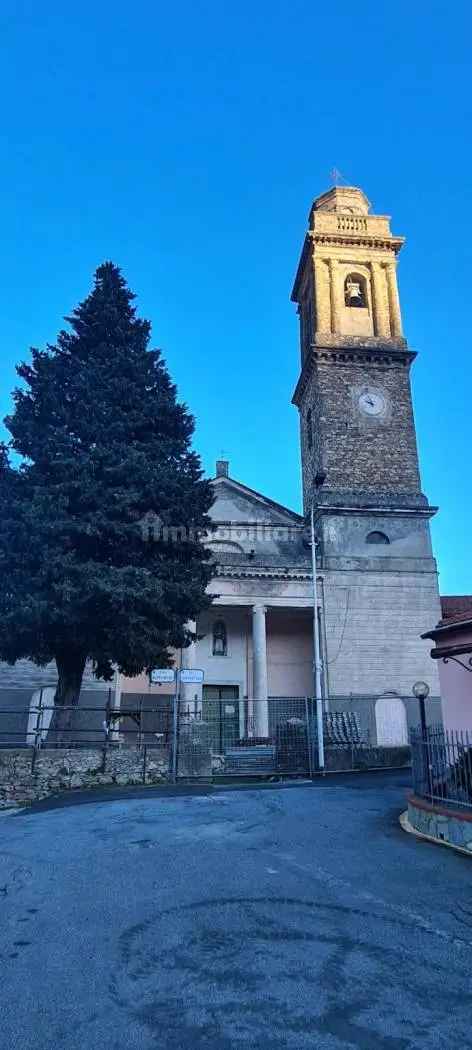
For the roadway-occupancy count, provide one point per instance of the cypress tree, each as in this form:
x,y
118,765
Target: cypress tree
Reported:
x,y
103,506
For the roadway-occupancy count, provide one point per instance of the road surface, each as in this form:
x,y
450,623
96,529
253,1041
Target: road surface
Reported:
x,y
294,917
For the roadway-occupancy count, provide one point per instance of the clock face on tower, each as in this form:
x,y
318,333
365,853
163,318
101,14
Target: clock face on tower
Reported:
x,y
372,402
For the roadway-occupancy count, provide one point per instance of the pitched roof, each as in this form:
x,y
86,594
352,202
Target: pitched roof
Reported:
x,y
453,605
237,502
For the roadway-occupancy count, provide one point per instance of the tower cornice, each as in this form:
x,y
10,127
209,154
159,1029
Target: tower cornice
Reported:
x,y
348,351
384,243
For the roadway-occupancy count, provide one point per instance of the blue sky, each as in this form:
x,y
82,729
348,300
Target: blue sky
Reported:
x,y
186,142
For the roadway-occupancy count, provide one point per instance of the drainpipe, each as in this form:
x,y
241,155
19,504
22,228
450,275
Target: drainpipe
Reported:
x,y
317,665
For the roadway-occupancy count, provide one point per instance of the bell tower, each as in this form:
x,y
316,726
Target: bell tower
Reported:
x,y
358,442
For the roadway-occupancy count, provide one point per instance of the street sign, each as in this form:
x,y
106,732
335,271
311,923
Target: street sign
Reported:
x,y
191,675
160,675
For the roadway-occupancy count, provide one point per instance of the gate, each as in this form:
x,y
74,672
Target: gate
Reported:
x,y
221,736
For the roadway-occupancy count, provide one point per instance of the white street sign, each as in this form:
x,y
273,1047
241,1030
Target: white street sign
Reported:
x,y
159,675
191,675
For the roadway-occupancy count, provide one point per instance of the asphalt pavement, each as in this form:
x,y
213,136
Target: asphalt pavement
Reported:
x,y
286,917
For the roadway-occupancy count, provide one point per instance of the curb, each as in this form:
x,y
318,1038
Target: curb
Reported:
x,y
410,830
113,793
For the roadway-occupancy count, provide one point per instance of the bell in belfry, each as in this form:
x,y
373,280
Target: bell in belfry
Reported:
x,y
354,290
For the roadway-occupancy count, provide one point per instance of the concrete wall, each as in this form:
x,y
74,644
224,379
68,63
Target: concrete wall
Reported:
x,y
374,621
365,709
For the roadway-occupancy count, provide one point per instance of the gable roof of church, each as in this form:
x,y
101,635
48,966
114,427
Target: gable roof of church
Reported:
x,y
259,507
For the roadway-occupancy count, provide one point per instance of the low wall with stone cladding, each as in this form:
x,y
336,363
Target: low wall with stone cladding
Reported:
x,y
440,822
366,758
67,769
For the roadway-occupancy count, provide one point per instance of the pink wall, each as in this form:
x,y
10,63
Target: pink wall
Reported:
x,y
456,684
290,653
140,684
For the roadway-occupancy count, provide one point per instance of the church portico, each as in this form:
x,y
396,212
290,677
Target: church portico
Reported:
x,y
268,649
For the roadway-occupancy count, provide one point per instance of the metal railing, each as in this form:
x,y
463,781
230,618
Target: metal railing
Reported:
x,y
201,738
442,766
46,726
278,737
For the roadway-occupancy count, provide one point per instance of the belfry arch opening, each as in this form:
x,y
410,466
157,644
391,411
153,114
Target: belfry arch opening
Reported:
x,y
355,291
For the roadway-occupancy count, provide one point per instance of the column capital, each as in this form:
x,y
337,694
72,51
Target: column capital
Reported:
x,y
259,607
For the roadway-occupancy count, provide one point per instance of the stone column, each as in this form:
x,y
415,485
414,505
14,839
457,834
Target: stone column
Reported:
x,y
191,694
381,325
259,650
323,310
335,296
394,301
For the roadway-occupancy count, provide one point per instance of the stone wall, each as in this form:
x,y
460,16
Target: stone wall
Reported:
x,y
374,622
446,825
363,453
366,758
65,769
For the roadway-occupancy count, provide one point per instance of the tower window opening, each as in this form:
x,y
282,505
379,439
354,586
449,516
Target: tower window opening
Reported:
x,y
355,291
377,537
220,639
309,429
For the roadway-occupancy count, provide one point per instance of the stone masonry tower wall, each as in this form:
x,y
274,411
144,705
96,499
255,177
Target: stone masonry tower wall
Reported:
x,y
352,353
358,447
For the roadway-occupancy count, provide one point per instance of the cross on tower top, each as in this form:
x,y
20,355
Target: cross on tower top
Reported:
x,y
337,177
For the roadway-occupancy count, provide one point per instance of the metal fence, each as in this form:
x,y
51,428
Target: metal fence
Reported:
x,y
101,728
442,766
275,737
207,738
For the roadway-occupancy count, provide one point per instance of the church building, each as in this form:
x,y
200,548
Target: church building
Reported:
x,y
377,587
377,578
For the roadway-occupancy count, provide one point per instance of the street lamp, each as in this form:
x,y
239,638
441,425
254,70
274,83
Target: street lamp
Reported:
x,y
421,691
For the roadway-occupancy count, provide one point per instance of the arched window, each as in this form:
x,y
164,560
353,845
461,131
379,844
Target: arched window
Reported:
x,y
220,640
309,428
355,290
377,537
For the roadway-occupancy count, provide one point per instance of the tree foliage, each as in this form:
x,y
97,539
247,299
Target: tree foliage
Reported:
x,y
99,442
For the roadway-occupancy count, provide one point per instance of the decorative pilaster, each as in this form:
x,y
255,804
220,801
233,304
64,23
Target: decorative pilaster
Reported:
x,y
381,321
335,296
259,648
393,300
322,298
